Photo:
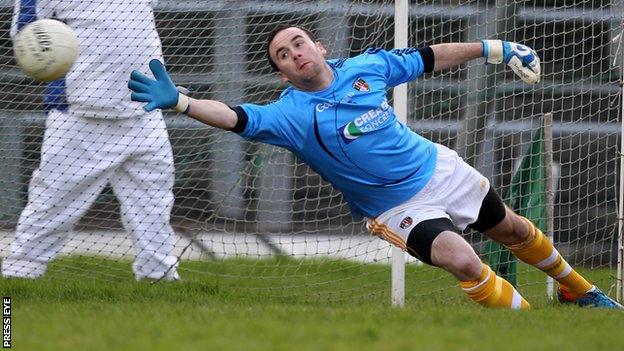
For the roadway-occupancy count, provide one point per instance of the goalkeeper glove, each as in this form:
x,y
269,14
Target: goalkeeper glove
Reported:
x,y
522,59
159,92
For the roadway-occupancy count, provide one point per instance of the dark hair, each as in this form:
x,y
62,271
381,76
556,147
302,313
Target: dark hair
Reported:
x,y
279,28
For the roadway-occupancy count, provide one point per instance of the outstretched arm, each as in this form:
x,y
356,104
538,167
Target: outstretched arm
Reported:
x,y
160,92
450,55
212,112
520,58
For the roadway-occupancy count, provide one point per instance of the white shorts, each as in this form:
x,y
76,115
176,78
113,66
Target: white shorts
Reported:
x,y
455,191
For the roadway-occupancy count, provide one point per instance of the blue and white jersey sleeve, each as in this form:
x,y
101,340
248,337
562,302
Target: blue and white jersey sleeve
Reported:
x,y
26,11
399,65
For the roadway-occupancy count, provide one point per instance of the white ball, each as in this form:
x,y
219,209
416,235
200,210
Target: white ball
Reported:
x,y
45,49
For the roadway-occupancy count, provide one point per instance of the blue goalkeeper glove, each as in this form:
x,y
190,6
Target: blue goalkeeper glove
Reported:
x,y
520,58
159,92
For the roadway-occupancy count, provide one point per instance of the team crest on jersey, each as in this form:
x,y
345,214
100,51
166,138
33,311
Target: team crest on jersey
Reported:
x,y
361,85
406,222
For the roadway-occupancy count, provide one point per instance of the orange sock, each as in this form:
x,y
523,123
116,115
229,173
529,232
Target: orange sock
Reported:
x,y
538,251
493,291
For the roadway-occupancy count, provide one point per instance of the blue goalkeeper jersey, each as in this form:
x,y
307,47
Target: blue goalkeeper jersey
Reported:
x,y
348,133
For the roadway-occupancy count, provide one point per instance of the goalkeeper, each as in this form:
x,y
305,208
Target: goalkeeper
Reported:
x,y
414,193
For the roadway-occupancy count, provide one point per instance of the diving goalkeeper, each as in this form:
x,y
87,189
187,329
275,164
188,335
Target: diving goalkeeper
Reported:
x,y
414,193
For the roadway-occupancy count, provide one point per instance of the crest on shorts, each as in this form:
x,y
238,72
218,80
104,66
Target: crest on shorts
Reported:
x,y
406,222
361,85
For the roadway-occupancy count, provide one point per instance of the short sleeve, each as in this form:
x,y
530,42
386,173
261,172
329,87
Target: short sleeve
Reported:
x,y
401,65
266,123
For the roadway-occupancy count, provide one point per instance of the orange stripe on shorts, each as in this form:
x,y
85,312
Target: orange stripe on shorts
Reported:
x,y
382,231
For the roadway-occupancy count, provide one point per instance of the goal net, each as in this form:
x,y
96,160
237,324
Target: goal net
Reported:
x,y
251,218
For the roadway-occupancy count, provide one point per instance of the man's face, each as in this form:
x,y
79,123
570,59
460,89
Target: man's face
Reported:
x,y
299,59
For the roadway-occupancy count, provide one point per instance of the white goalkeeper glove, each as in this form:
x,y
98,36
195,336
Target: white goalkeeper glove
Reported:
x,y
522,59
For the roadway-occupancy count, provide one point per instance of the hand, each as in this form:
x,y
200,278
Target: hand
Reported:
x,y
159,92
522,59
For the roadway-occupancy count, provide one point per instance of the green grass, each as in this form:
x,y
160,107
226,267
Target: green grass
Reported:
x,y
91,304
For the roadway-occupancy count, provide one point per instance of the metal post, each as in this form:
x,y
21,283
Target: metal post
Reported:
x,y
550,196
620,243
401,26
617,54
476,122
491,23
228,153
11,144
274,190
334,31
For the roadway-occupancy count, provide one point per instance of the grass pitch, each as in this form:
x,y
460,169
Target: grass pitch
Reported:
x,y
91,304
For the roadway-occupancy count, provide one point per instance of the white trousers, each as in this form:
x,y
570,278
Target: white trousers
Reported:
x,y
78,158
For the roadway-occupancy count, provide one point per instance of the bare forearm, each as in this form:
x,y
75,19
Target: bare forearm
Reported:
x,y
213,113
454,54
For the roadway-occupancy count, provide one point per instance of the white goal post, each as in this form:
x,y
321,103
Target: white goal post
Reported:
x,y
250,217
401,25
